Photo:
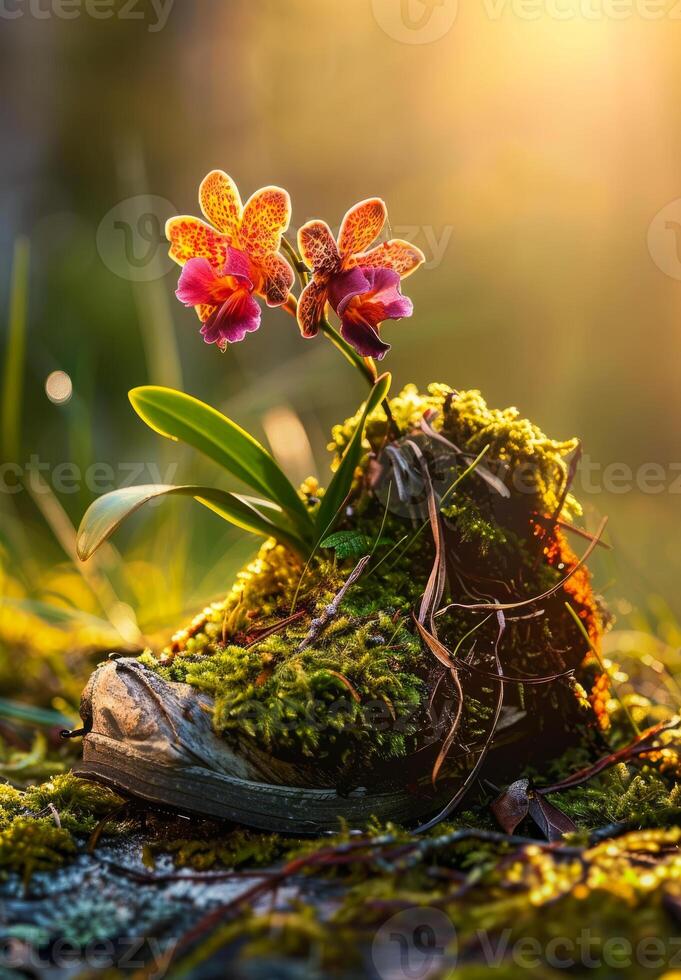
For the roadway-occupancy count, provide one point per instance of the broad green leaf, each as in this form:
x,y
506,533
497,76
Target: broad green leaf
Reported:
x,y
347,544
340,485
257,516
179,416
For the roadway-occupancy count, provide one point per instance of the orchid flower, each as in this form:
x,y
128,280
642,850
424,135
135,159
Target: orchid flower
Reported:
x,y
362,284
235,258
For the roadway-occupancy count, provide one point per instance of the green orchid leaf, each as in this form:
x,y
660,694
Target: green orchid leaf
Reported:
x,y
106,514
179,416
341,483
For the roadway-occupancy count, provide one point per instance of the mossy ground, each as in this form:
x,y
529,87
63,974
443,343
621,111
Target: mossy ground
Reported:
x,y
497,891
618,875
38,824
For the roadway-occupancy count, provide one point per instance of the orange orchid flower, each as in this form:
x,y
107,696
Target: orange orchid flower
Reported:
x,y
359,282
236,256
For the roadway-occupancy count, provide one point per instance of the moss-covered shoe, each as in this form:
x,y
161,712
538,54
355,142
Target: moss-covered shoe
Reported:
x,y
429,634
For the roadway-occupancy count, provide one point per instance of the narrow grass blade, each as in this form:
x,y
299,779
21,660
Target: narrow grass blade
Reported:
x,y
13,376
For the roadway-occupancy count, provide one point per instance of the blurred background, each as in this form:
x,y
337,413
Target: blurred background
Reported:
x,y
531,149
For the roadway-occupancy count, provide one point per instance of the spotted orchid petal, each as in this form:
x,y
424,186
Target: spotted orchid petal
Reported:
x,y
191,238
221,203
224,265
318,248
277,279
311,308
204,311
361,226
400,256
266,217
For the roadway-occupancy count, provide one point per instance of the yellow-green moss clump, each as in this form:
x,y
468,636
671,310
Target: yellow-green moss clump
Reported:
x,y
37,825
364,687
527,460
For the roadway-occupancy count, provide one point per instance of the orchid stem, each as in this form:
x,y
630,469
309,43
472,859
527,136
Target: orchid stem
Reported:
x,y
298,264
365,365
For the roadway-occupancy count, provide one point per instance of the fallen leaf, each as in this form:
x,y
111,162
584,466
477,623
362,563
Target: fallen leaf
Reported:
x,y
513,805
552,822
519,800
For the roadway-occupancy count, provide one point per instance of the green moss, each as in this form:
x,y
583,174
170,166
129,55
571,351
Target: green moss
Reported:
x,y
11,804
368,666
30,844
37,825
529,461
621,795
312,699
475,527
494,893
80,804
231,850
